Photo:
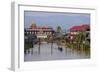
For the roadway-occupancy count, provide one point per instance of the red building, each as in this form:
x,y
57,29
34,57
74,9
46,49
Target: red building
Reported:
x,y
76,29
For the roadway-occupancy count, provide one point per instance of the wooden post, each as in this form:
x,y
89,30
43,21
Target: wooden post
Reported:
x,y
39,47
52,45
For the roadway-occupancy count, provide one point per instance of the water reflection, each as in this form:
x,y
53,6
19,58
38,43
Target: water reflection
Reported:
x,y
55,53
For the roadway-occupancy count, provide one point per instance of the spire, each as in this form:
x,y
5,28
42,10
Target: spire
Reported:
x,y
33,24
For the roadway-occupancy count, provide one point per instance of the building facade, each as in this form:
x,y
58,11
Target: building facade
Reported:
x,y
75,30
43,32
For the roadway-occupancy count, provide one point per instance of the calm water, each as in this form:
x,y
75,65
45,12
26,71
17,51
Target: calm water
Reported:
x,y
46,53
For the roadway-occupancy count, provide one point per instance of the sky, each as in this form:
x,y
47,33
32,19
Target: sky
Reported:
x,y
54,19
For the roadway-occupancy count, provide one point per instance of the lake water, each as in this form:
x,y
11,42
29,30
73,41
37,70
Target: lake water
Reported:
x,y
46,53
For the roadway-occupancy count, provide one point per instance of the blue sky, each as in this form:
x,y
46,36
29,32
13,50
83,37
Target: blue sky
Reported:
x,y
53,19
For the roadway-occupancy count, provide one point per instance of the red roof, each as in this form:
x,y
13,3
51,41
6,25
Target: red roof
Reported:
x,y
78,28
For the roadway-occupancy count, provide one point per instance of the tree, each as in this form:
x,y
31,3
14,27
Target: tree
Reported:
x,y
80,39
58,29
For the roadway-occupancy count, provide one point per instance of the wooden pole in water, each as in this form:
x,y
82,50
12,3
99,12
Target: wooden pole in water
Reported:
x,y
39,47
52,45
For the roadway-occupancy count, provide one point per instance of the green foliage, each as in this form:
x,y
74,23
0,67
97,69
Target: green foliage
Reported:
x,y
58,29
79,42
28,45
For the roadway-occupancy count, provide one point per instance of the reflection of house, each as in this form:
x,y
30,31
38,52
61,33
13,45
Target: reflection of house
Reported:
x,y
81,28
